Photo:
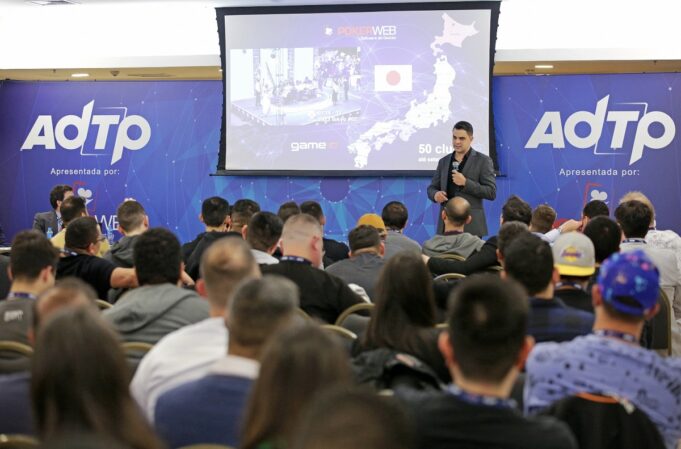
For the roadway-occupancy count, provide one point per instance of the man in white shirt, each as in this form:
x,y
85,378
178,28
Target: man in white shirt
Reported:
x,y
187,353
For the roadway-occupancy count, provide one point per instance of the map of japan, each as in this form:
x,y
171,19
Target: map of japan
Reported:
x,y
436,108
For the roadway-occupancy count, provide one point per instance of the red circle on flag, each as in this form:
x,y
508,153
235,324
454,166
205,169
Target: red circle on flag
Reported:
x,y
393,77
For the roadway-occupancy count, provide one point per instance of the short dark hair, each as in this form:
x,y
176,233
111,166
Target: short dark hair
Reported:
x,y
287,210
543,217
466,126
214,211
364,236
57,193
605,235
487,324
130,215
72,208
157,257
242,211
515,209
395,215
595,208
634,217
81,232
508,232
457,215
312,208
264,230
528,259
31,253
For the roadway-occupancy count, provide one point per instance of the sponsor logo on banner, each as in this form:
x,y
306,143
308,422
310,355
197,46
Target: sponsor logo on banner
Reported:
x,y
109,131
367,32
608,129
392,78
321,145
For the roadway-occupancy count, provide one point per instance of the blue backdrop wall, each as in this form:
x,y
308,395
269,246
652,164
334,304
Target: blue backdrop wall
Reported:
x,y
562,140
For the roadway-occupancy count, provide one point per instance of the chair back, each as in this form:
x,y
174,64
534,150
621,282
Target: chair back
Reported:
x,y
658,330
15,357
18,441
134,352
450,277
362,309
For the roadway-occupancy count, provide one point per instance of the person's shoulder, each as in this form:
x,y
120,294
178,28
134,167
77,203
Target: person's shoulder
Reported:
x,y
545,352
548,432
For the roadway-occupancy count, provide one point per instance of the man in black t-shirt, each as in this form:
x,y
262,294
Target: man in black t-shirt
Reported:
x,y
83,239
484,347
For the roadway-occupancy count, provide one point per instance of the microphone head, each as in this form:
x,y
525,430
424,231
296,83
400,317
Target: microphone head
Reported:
x,y
455,166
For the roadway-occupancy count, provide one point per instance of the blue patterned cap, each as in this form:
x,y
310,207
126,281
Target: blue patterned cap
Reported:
x,y
629,282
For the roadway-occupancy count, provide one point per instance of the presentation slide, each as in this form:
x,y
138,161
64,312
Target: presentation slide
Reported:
x,y
353,91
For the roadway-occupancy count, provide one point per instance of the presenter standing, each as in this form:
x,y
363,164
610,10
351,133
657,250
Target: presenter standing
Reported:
x,y
465,173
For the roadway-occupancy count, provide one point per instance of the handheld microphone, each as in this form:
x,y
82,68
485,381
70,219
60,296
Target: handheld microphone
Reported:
x,y
455,166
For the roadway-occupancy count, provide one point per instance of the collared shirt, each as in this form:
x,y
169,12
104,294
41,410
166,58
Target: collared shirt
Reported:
x,y
181,356
262,258
604,365
552,320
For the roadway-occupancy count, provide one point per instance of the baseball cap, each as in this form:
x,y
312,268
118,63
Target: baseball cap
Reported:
x,y
574,255
629,282
372,220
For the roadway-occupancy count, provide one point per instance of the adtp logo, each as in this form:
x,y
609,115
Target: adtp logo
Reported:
x,y
614,120
91,133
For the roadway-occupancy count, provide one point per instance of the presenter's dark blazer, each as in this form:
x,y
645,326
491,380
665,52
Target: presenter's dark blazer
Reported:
x,y
44,220
480,185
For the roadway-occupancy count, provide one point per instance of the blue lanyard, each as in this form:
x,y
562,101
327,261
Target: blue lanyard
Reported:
x,y
19,295
629,338
295,259
634,240
479,399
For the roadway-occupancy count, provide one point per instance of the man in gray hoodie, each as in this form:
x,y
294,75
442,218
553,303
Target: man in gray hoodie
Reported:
x,y
456,214
158,306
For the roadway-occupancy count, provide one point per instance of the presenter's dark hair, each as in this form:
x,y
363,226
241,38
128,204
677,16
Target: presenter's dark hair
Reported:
x,y
487,324
516,209
72,208
81,232
157,257
634,217
57,193
214,211
395,215
466,126
605,235
80,381
31,253
264,230
595,208
528,259
130,215
312,208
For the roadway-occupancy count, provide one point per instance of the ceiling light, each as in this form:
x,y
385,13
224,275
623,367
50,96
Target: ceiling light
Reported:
x,y
543,66
80,75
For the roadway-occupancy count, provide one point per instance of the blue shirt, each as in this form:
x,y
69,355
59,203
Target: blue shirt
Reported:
x,y
552,320
598,364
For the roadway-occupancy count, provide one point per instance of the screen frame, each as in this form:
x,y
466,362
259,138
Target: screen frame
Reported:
x,y
492,5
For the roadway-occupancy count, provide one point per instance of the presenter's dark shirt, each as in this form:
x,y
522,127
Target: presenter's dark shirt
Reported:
x,y
452,188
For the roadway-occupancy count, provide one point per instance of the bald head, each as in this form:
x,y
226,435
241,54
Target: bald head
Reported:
x,y
302,237
224,265
457,212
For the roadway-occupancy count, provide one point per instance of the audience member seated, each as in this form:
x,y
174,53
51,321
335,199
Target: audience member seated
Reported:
x,y
542,220
485,347
209,410
322,295
507,233
132,222
80,382
187,353
592,209
241,214
575,260
366,259
16,416
529,261
605,235
74,207
214,213
296,366
32,267
158,307
610,360
51,220
333,250
634,217
353,418
515,209
83,242
456,214
263,233
287,210
5,281
404,317
395,216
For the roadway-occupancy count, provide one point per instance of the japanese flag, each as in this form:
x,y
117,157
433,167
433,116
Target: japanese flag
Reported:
x,y
392,78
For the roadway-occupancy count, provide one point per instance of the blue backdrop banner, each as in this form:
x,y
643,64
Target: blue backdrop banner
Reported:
x,y
562,140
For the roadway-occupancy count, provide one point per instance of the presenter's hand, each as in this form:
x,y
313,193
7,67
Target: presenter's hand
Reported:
x,y
458,179
440,197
